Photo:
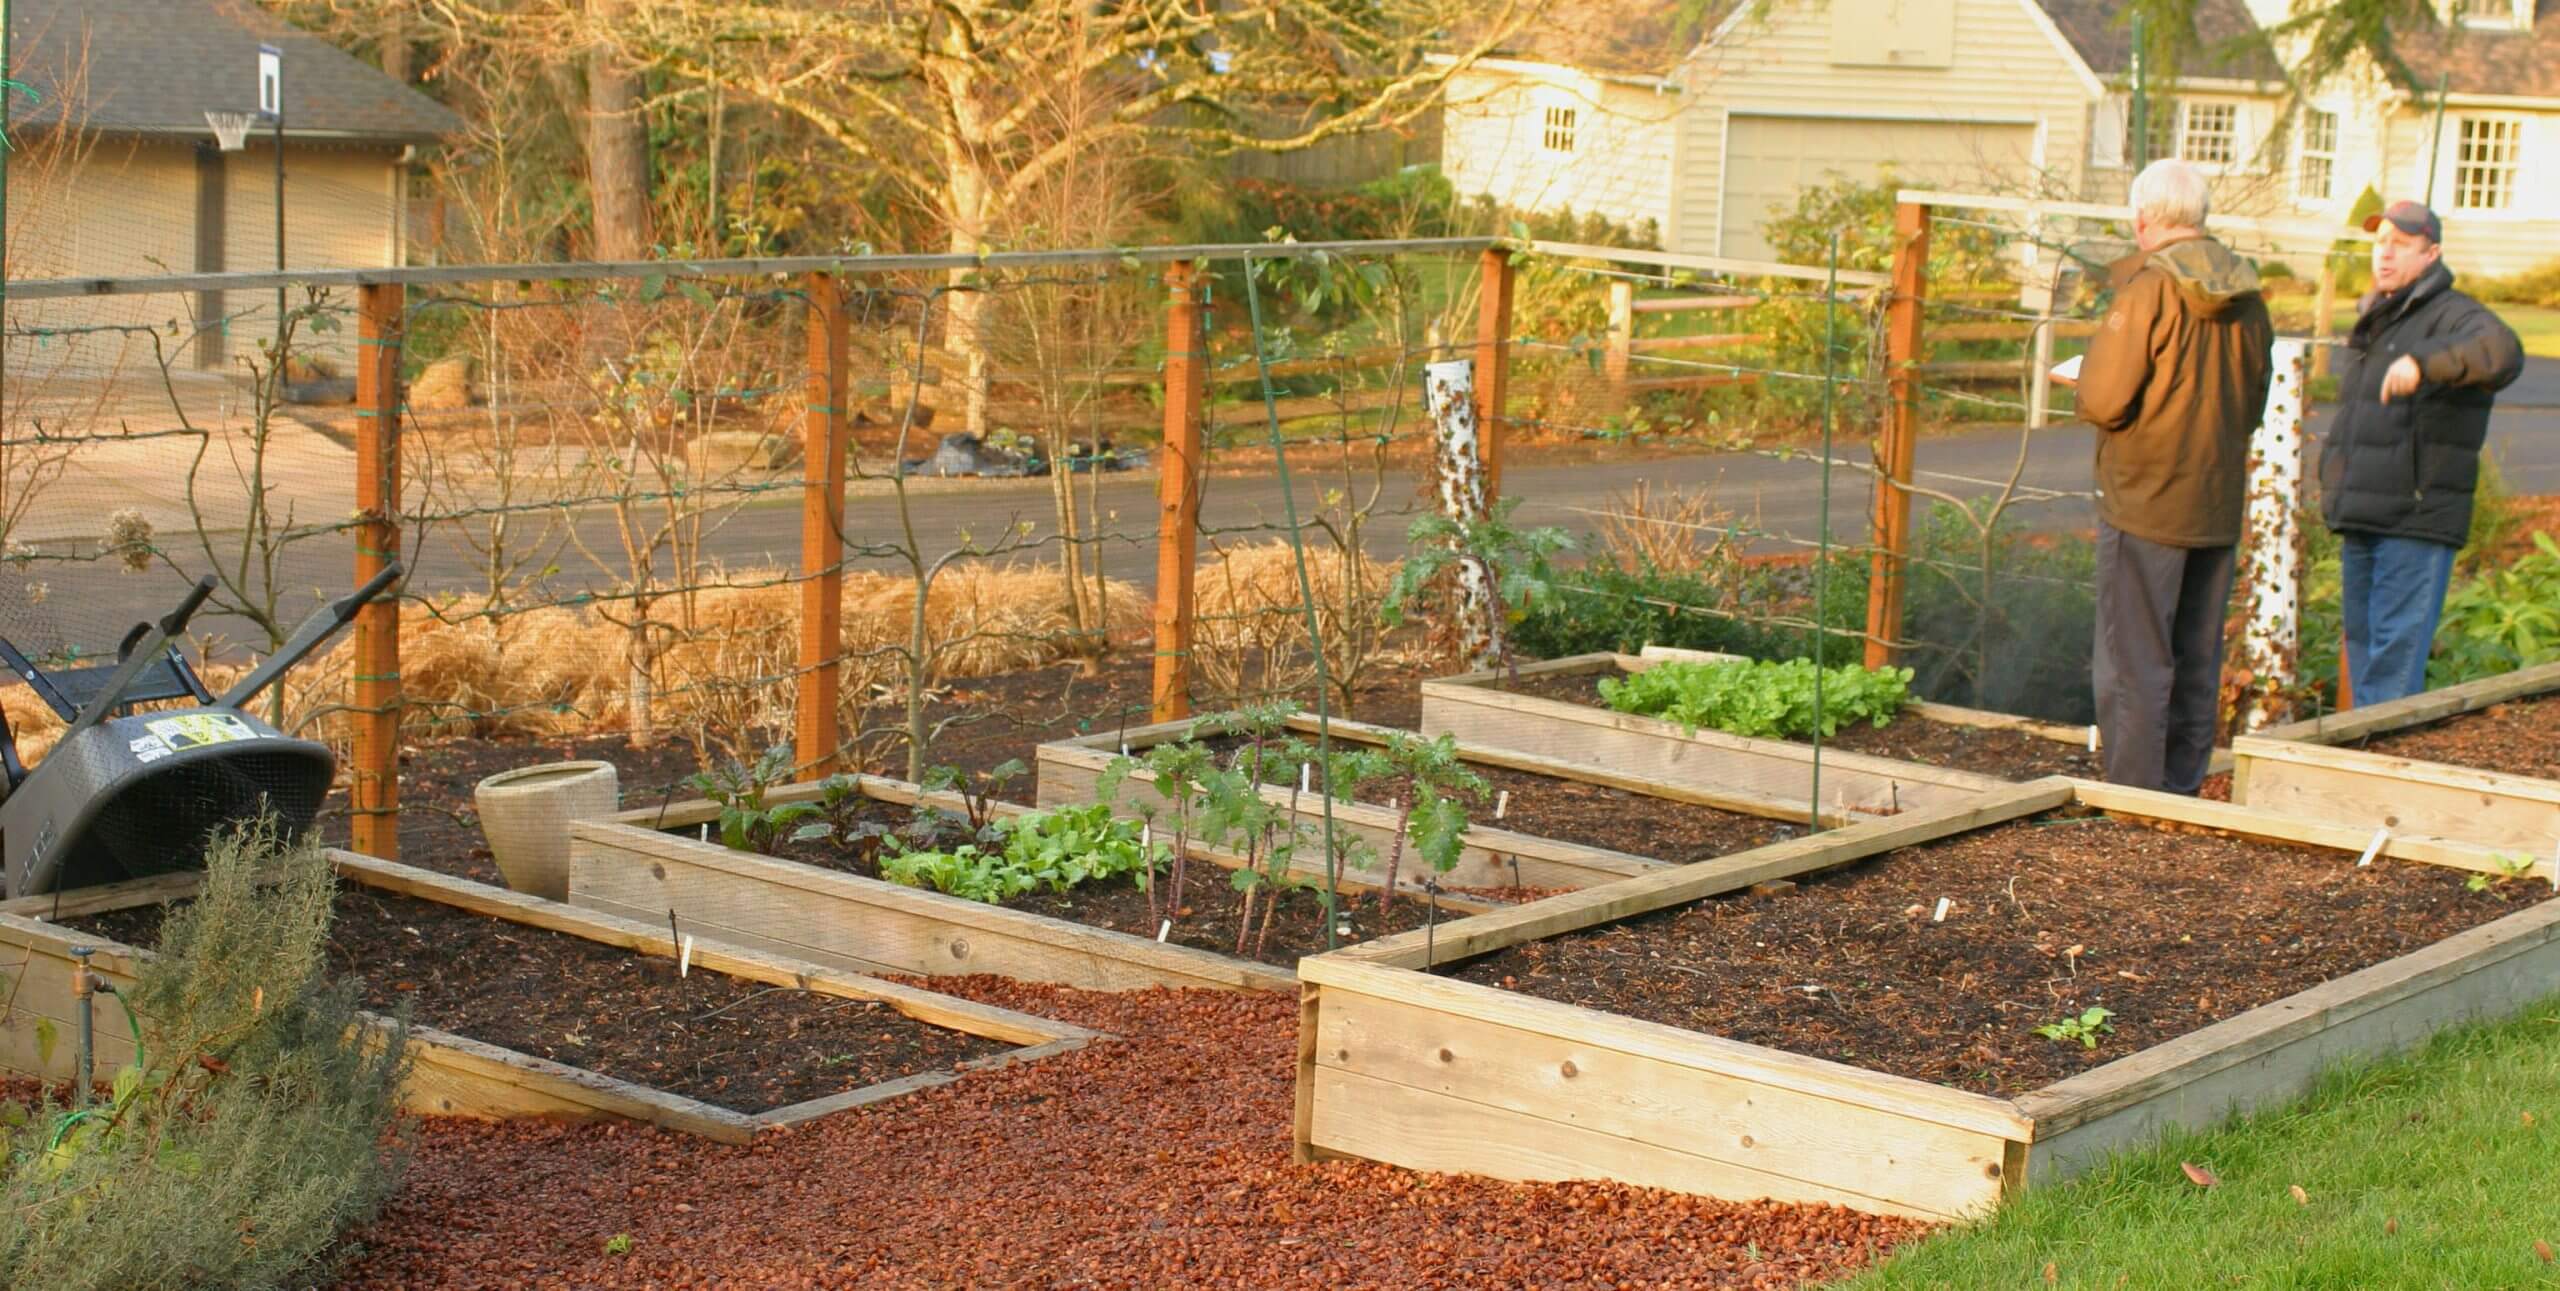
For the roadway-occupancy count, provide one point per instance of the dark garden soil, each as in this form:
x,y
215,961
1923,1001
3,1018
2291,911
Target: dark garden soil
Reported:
x,y
1160,1159
2008,754
1572,811
724,1040
2171,931
2519,737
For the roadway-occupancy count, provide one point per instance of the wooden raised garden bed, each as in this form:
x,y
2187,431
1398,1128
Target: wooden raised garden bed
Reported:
x,y
1677,823
642,864
1421,1057
1495,710
2431,763
456,1075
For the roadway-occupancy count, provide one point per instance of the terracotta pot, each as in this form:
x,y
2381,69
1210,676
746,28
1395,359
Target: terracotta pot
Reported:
x,y
526,813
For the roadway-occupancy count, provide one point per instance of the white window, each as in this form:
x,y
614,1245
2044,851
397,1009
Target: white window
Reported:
x,y
2486,13
2209,133
2485,163
1558,134
2315,165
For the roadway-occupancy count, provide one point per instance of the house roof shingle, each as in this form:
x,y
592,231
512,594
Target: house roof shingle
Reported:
x,y
1616,37
156,66
2477,60
2106,44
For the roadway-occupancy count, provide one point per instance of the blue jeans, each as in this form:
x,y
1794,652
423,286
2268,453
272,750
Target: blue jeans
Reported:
x,y
2393,595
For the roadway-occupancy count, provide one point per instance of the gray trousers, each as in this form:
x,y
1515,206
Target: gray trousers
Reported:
x,y
2157,666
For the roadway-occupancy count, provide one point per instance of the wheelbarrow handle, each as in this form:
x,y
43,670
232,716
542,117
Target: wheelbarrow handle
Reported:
x,y
315,632
140,655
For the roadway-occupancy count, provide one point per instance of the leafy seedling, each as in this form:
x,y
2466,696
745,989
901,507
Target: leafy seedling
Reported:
x,y
2509,869
2085,1028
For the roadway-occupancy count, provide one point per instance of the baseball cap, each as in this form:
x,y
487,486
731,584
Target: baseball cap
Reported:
x,y
2408,217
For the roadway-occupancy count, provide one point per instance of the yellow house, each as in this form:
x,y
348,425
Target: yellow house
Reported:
x,y
1704,129
116,172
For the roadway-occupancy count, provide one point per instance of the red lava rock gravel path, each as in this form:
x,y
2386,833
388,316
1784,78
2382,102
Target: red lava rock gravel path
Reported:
x,y
1157,1160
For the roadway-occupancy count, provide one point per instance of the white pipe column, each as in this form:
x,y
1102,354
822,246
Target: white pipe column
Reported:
x,y
2271,552
1449,399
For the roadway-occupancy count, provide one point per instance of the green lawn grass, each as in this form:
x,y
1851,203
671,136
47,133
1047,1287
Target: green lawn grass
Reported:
x,y
2441,1170
2539,328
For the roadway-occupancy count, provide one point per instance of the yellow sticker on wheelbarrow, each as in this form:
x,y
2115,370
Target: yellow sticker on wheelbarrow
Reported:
x,y
191,730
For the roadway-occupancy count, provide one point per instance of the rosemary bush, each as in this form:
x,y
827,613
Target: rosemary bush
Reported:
x,y
257,1125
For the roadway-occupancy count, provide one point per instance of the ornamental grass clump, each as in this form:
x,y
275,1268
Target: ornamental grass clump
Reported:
x,y
1756,697
256,1126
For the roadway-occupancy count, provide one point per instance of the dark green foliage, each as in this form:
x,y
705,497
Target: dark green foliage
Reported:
x,y
2017,641
255,1130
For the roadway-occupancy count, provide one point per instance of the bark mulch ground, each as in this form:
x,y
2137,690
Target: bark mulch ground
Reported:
x,y
2170,931
724,1040
2519,737
1156,1160
2008,754
1572,811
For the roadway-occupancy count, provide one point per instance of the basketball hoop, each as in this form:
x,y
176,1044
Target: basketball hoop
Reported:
x,y
231,129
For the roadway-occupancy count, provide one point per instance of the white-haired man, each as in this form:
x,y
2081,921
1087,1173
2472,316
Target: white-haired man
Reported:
x,y
2175,380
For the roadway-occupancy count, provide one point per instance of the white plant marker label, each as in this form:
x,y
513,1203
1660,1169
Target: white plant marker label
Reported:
x,y
684,959
1306,778
2380,836
2093,737
1502,804
706,831
1164,930
1944,904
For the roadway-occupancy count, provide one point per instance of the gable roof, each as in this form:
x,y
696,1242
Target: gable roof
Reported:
x,y
2480,60
1646,38
153,67
2106,44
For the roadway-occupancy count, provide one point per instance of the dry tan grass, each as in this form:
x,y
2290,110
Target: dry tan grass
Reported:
x,y
1250,635
724,669
1671,531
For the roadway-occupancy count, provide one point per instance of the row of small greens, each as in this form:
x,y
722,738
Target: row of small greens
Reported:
x,y
1054,849
1204,799
1206,796
1759,697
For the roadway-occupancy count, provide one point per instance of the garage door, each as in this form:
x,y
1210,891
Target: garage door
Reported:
x,y
1768,160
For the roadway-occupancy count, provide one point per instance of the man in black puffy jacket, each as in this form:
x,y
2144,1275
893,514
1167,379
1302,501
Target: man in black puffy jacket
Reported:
x,y
2423,366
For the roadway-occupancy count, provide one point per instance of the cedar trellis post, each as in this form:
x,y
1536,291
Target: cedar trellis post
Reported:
x,y
373,783
1892,517
816,731
1493,362
1178,486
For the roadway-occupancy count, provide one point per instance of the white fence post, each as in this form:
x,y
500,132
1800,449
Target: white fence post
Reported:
x,y
2271,552
1448,397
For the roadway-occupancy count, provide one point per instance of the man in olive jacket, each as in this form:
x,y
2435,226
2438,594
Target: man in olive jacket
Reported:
x,y
2397,466
2175,380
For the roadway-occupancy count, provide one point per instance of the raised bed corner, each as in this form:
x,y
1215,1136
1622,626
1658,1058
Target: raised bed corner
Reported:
x,y
1475,707
454,1075
1402,1065
2307,769
628,866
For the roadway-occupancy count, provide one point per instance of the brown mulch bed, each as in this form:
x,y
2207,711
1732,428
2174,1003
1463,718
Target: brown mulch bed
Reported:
x,y
724,1040
2008,754
1157,1160
2518,737
1573,811
2169,930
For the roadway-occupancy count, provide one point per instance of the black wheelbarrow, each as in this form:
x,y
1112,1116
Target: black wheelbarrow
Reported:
x,y
127,795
